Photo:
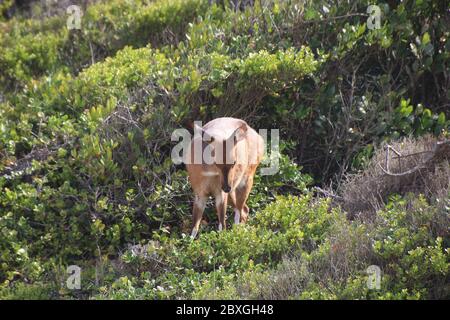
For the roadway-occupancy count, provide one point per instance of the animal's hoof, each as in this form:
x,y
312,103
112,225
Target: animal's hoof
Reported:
x,y
194,234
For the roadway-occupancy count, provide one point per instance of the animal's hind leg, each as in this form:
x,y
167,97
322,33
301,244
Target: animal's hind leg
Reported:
x,y
245,211
237,215
197,213
232,198
242,210
221,206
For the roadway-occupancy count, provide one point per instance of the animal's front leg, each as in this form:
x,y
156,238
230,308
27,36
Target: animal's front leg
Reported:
x,y
221,206
197,213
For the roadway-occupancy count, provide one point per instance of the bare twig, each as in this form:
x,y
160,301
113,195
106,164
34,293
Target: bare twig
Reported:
x,y
440,149
329,194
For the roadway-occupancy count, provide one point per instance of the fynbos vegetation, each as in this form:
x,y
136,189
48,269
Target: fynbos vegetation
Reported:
x,y
87,179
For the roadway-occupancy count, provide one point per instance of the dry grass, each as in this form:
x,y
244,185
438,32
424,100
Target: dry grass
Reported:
x,y
290,278
365,192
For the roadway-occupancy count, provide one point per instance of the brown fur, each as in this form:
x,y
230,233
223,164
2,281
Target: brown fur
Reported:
x,y
235,174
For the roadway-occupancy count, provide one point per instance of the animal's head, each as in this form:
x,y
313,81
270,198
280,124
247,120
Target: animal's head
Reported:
x,y
224,154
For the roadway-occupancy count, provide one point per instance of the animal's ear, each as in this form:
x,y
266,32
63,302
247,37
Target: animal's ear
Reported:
x,y
197,128
206,137
240,133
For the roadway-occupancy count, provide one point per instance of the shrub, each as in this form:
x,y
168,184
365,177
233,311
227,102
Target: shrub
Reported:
x,y
85,170
367,191
35,48
213,261
403,242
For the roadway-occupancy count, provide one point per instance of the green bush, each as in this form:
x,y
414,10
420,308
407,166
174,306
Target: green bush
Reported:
x,y
218,266
34,48
223,256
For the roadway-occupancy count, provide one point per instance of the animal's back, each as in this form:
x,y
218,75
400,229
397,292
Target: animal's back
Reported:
x,y
224,127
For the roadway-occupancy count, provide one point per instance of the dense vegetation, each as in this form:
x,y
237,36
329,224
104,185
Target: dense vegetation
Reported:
x,y
86,177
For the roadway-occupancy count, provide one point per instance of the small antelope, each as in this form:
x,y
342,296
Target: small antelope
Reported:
x,y
235,151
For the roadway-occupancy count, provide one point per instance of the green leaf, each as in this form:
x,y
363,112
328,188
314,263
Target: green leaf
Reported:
x,y
441,119
311,14
425,38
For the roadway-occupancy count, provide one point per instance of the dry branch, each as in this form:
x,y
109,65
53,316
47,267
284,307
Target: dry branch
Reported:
x,y
440,151
22,164
420,166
